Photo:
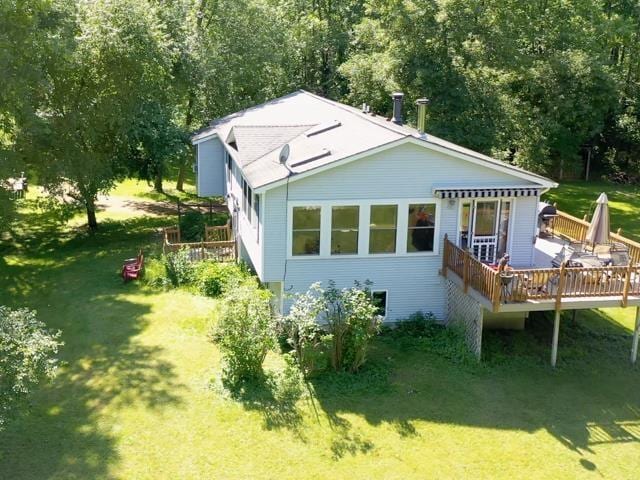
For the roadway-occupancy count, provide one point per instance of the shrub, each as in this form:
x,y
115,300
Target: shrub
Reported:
x,y
192,226
27,355
418,324
214,279
423,331
352,321
309,343
180,270
350,324
155,273
244,332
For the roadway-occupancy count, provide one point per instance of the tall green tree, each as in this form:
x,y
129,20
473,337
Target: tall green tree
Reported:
x,y
107,86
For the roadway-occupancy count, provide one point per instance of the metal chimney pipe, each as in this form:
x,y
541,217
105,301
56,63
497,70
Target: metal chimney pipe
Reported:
x,y
422,113
397,107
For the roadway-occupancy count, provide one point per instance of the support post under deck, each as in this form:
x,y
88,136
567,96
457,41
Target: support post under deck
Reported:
x,y
636,335
554,344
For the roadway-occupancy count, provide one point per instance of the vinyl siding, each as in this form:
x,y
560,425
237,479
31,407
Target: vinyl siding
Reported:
x,y
210,176
249,235
525,220
407,171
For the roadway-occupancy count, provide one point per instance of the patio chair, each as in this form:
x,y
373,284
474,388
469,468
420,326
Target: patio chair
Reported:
x,y
133,268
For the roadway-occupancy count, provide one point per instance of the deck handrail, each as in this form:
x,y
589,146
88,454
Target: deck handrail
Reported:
x,y
550,284
575,229
218,244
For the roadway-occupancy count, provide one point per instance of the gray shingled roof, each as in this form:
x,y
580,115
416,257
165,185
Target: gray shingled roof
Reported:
x,y
255,141
343,131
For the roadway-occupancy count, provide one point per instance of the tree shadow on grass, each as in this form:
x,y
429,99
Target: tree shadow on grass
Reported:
x,y
70,429
276,402
592,398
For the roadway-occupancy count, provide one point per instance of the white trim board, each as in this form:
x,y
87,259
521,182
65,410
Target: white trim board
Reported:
x,y
537,180
363,227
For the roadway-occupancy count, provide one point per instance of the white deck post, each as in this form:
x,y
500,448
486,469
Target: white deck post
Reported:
x,y
554,345
636,335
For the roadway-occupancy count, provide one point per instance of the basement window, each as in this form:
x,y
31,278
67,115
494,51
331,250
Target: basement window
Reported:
x,y
379,298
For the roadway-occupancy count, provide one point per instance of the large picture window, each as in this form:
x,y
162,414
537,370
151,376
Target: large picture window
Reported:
x,y
306,231
344,230
382,228
421,227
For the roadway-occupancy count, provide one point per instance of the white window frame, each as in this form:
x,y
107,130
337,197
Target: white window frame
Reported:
x,y
386,306
363,232
331,229
228,168
323,222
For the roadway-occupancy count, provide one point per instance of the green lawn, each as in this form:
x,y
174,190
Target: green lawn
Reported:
x,y
134,401
578,198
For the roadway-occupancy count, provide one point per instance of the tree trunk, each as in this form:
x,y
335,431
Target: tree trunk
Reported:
x,y
182,171
91,216
157,183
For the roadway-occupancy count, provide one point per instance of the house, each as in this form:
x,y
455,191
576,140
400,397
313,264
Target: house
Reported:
x,y
323,191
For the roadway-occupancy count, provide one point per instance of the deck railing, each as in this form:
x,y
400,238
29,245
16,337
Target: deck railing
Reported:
x,y
575,229
218,245
539,284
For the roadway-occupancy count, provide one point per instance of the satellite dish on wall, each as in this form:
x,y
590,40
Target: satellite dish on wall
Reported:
x,y
284,153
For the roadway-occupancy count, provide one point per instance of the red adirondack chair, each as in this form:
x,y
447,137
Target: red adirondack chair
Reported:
x,y
133,268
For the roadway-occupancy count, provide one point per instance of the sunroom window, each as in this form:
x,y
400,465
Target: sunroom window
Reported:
x,y
422,225
344,230
306,231
382,228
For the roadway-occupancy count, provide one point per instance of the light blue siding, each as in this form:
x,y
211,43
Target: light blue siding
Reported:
x,y
210,161
525,221
407,171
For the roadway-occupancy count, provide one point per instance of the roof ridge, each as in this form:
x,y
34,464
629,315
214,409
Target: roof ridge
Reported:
x,y
275,125
358,114
266,102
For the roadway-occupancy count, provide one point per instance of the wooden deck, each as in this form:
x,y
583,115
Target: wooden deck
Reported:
x,y
218,244
544,287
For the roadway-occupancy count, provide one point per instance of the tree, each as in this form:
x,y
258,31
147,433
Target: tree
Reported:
x,y
32,35
27,356
244,332
110,82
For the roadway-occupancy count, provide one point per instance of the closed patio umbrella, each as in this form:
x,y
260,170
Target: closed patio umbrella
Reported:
x,y
598,231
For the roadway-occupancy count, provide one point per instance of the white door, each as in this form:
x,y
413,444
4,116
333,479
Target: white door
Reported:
x,y
484,231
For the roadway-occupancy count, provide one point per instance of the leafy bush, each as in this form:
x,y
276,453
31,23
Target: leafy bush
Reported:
x,y
309,343
244,332
213,279
423,331
192,226
350,322
155,273
179,267
27,355
418,324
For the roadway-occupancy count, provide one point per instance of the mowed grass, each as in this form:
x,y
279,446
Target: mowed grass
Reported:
x,y
134,400
578,198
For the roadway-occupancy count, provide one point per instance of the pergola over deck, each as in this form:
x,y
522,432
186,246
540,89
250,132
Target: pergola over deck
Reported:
x,y
544,289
